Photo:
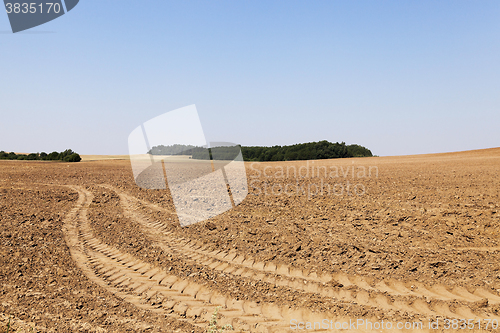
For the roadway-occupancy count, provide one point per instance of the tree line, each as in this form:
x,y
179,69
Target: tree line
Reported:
x,y
172,150
305,151
67,156
302,151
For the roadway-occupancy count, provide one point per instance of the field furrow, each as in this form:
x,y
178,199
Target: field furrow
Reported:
x,y
388,294
154,289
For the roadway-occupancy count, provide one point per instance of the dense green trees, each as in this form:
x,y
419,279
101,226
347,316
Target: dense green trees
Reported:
x,y
171,150
67,156
304,151
301,151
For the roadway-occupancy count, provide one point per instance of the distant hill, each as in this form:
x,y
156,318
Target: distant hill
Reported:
x,y
302,151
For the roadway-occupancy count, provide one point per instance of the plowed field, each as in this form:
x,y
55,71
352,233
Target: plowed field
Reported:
x,y
411,239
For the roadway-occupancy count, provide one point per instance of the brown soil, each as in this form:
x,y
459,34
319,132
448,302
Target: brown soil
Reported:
x,y
83,249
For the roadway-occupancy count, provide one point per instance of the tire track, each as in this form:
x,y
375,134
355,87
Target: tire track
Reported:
x,y
154,289
413,297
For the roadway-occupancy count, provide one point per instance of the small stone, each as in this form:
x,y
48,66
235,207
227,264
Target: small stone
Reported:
x,y
482,303
210,226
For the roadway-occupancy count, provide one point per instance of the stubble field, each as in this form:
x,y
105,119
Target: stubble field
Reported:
x,y
396,239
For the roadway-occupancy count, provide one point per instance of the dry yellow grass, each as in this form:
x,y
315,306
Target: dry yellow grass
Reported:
x,y
87,158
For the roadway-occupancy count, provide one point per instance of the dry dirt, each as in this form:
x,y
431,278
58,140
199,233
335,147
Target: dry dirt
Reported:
x,y
83,249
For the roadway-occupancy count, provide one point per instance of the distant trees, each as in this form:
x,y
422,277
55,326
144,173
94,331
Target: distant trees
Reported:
x,y
53,156
302,151
228,153
358,151
171,150
67,156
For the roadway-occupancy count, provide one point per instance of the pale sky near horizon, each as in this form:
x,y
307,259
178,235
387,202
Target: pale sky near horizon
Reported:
x,y
398,77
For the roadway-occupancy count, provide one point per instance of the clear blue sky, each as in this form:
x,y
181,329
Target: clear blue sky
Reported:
x,y
399,77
